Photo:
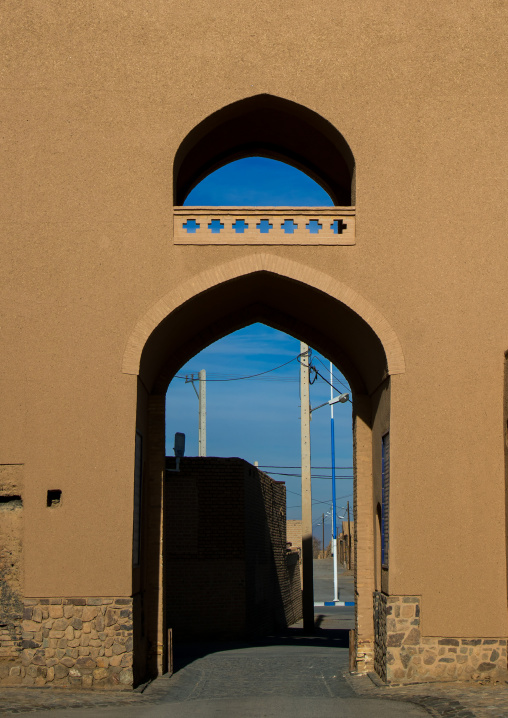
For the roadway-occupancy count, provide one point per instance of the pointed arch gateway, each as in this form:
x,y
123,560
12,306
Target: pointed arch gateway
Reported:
x,y
271,286
294,298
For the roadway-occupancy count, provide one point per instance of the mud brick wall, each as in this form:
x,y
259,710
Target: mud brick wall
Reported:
x,y
268,587
293,604
11,565
204,548
225,546
403,655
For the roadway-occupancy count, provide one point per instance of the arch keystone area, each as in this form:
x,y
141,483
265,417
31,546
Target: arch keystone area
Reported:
x,y
263,263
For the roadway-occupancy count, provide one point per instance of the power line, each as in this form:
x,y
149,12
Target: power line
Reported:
x,y
314,476
340,498
327,367
317,373
314,501
278,466
251,376
325,379
346,386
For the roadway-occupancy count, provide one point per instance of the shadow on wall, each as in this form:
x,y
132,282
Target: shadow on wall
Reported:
x,y
227,571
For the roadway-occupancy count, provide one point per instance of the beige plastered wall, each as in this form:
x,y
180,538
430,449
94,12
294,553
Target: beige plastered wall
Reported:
x,y
95,101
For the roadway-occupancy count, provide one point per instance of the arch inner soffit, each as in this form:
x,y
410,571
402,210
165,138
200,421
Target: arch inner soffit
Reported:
x,y
280,293
271,127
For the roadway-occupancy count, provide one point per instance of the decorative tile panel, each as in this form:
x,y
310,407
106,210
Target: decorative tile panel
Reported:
x,y
264,225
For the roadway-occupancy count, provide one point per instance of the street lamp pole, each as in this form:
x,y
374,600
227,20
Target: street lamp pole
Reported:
x,y
334,499
342,398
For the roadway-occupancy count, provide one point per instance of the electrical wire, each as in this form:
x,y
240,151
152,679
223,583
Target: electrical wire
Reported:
x,y
279,466
339,498
239,378
314,501
336,378
329,383
313,476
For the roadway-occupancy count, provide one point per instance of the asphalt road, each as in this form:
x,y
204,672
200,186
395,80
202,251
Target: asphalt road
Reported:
x,y
323,582
291,677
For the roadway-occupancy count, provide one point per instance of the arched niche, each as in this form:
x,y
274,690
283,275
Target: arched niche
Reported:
x,y
272,127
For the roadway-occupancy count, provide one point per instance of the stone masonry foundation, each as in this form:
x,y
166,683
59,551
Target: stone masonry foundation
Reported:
x,y
78,642
403,655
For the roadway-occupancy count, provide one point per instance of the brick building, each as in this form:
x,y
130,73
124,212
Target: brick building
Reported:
x,y
227,568
294,534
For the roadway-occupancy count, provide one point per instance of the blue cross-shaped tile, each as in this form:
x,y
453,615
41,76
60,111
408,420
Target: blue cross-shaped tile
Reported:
x,y
314,226
289,226
191,225
215,226
264,226
240,226
338,226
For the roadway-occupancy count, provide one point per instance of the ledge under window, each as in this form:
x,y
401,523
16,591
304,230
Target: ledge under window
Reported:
x,y
264,225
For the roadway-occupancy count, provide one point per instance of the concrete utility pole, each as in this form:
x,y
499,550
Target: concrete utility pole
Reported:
x,y
307,569
348,539
202,413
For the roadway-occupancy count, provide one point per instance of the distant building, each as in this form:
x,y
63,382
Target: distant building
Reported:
x,y
294,534
346,545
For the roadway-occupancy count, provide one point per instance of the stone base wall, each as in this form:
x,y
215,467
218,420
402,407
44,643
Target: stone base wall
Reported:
x,y
11,562
78,642
403,655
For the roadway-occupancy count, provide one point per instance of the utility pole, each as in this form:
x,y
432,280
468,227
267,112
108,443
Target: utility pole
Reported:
x,y
201,394
307,568
202,413
323,546
348,539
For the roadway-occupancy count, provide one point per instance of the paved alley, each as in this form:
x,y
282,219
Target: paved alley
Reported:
x,y
285,676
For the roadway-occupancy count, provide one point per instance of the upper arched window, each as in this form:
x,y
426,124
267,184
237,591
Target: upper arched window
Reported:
x,y
258,182
274,129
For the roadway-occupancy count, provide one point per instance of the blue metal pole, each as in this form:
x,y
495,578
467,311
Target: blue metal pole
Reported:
x,y
334,499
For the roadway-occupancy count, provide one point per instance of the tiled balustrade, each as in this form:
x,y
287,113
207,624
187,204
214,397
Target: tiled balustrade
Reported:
x,y
264,225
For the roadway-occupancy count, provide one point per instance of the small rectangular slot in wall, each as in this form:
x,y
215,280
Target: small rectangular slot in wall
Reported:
x,y
54,497
10,502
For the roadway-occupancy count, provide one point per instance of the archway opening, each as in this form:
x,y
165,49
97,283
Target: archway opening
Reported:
x,y
241,397
214,311
271,127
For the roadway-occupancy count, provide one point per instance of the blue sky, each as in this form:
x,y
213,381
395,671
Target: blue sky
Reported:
x,y
259,419
257,181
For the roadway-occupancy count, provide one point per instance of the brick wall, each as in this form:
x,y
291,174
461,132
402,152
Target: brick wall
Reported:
x,y
294,602
345,544
294,533
225,558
